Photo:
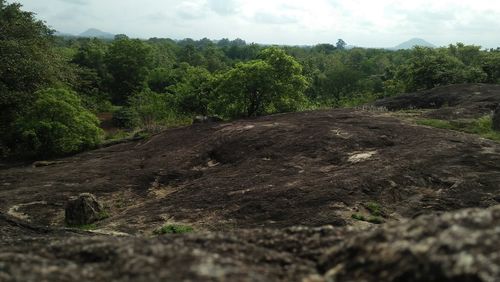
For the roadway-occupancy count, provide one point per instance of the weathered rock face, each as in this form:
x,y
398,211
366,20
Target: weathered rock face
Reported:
x,y
496,119
312,168
456,246
459,246
83,210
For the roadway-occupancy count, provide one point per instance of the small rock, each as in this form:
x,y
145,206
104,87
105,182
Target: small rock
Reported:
x,y
83,210
496,119
206,119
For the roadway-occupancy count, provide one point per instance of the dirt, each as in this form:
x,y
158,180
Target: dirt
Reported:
x,y
244,186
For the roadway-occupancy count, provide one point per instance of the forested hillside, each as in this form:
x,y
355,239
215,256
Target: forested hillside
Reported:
x,y
52,88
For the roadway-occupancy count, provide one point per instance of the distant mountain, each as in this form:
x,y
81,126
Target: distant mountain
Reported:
x,y
63,34
97,33
412,43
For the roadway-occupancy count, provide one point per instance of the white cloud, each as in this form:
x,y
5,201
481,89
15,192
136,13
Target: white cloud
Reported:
x,y
360,22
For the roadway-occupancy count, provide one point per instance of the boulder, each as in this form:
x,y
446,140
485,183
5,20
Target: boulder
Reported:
x,y
83,210
496,119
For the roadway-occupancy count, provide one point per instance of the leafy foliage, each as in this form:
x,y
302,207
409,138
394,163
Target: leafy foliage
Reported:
x,y
272,84
194,92
128,61
57,124
28,62
161,82
126,117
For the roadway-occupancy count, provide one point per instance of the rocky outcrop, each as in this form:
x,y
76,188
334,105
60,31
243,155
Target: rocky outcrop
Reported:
x,y
456,246
310,168
448,102
459,246
83,210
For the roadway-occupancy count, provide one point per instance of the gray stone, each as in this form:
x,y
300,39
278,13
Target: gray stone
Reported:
x,y
206,119
83,210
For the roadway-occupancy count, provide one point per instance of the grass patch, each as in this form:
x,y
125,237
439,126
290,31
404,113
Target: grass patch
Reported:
x,y
444,124
173,229
359,217
375,216
481,126
117,135
371,219
375,220
374,208
103,215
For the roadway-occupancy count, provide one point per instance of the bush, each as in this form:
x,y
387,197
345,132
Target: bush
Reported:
x,y
272,84
156,110
126,118
56,124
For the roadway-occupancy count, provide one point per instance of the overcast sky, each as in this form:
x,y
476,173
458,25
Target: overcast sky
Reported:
x,y
369,23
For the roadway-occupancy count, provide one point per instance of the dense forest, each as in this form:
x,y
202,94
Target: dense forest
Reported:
x,y
53,88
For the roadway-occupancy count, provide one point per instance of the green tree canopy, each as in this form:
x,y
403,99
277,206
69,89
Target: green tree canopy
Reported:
x,y
128,61
57,124
428,68
274,83
28,62
194,93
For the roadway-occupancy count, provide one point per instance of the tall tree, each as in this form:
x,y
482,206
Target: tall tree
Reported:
x,y
274,83
27,63
128,61
341,44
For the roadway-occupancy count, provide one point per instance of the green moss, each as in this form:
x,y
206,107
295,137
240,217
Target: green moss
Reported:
x,y
374,208
358,216
173,229
375,220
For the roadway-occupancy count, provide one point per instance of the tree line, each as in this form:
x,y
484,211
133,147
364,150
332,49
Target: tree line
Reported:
x,y
51,88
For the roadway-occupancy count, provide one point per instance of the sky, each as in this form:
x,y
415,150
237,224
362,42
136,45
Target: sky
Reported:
x,y
366,23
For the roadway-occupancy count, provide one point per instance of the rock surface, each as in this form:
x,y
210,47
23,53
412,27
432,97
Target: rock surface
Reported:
x,y
312,168
459,246
83,210
456,246
245,186
448,102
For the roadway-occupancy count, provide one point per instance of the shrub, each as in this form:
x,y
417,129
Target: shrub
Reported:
x,y
57,124
156,110
272,84
126,118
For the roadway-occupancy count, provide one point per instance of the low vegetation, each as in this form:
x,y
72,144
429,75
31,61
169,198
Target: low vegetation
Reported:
x,y
375,214
481,126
